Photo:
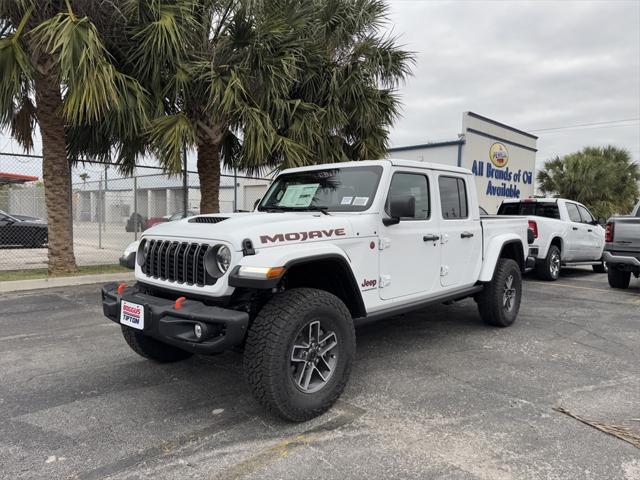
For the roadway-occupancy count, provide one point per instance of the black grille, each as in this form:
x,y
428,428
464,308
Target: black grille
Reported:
x,y
179,262
207,219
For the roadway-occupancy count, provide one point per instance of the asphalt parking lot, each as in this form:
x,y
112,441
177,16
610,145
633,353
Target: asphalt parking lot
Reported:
x,y
434,394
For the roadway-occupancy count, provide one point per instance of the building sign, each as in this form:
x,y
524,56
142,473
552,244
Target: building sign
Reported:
x,y
503,182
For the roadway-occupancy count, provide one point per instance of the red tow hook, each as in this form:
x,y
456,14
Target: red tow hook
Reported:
x,y
178,304
121,288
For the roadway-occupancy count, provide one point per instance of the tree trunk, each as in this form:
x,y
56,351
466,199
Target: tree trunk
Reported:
x,y
55,172
209,174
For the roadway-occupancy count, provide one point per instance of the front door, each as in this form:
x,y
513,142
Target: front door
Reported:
x,y
461,234
595,235
410,250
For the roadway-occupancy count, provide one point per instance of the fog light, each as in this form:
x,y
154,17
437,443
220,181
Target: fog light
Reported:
x,y
197,329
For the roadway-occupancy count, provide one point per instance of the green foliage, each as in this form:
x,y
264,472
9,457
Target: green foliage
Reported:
x,y
272,83
602,178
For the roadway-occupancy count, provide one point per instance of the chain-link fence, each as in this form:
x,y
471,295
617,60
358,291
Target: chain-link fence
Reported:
x,y
109,210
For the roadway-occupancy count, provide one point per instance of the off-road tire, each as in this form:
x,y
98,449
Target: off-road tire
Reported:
x,y
151,348
618,278
491,300
267,353
545,268
600,267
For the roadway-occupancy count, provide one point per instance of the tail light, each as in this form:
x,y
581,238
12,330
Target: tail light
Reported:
x,y
534,228
608,232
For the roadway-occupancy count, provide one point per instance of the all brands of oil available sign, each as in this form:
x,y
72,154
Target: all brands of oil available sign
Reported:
x,y
501,157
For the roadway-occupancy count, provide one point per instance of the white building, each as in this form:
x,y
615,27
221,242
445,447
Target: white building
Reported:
x,y
501,157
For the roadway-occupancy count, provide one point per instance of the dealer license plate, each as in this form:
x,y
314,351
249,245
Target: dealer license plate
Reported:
x,y
132,315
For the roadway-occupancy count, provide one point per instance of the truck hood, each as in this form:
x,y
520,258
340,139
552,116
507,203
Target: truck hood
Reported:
x,y
264,229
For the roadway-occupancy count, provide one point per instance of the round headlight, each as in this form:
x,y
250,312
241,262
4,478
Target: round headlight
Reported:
x,y
223,258
143,250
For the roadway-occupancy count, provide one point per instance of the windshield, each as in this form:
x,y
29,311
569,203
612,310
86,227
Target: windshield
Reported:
x,y
348,189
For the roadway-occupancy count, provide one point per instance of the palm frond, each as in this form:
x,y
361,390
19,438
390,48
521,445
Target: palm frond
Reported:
x,y
168,136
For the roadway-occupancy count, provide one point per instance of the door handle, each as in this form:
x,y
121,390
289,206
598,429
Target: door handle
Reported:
x,y
589,230
575,228
430,238
466,235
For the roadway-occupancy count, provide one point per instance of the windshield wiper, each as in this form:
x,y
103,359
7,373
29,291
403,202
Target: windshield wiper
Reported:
x,y
317,208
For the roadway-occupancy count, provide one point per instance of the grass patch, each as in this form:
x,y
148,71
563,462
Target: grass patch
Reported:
x,y
37,273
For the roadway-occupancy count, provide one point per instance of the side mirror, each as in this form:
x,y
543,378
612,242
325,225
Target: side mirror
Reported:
x,y
256,203
400,206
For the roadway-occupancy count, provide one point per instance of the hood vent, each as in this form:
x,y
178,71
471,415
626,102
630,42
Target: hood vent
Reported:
x,y
207,219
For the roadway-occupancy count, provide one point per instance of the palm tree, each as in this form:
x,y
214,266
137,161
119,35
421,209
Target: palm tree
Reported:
x,y
272,83
45,45
603,178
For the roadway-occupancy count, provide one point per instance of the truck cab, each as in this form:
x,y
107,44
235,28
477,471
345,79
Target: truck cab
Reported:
x,y
328,246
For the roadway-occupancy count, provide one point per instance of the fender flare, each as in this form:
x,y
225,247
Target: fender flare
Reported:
x,y
306,256
494,252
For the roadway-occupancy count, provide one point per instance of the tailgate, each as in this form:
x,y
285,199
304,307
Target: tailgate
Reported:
x,y
626,235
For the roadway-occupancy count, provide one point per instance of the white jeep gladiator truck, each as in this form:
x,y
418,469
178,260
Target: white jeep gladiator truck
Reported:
x,y
564,231
622,248
327,247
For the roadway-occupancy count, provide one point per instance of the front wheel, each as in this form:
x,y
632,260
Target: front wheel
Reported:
x,y
299,352
499,302
619,278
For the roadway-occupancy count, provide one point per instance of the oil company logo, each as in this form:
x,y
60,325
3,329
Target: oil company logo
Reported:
x,y
499,155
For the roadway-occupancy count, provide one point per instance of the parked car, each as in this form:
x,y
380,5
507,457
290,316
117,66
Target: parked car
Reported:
x,y
622,248
327,247
22,233
564,232
128,258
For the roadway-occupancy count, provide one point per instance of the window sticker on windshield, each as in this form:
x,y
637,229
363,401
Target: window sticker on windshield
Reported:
x,y
346,200
360,201
299,195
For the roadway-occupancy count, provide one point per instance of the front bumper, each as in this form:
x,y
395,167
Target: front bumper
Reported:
x,y
629,262
222,328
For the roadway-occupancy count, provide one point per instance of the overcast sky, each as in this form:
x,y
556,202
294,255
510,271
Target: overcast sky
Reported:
x,y
531,65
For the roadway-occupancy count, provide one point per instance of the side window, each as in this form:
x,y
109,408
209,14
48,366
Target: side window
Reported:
x,y
574,214
585,214
453,198
415,185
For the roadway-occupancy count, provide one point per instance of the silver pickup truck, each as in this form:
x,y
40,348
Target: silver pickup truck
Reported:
x,y
622,248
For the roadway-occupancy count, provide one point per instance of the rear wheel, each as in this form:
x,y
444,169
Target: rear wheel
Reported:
x,y
299,352
549,268
151,348
499,302
619,278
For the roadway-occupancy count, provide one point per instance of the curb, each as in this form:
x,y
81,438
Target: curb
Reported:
x,y
37,284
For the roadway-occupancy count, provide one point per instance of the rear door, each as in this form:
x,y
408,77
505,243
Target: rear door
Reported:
x,y
410,250
595,235
577,249
461,233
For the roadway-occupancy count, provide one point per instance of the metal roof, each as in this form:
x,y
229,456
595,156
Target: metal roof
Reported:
x,y
8,178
